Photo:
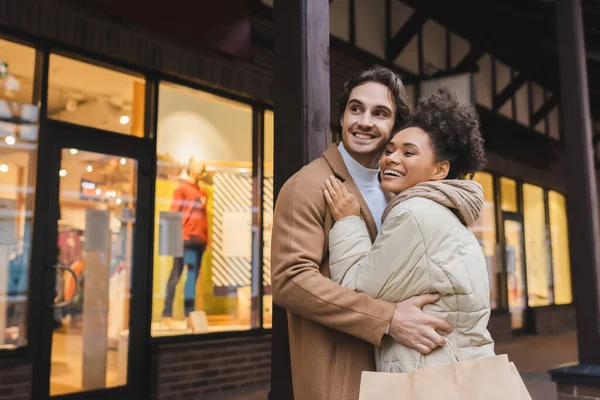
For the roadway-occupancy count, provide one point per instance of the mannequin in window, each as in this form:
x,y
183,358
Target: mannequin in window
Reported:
x,y
190,200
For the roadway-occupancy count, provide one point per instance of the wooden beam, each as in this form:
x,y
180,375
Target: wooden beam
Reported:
x,y
582,204
543,111
470,60
405,35
508,92
301,98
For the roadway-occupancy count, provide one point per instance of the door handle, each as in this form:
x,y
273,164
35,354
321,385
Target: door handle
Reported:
x,y
63,304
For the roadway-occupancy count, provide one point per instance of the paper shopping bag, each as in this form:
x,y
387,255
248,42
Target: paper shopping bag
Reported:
x,y
491,378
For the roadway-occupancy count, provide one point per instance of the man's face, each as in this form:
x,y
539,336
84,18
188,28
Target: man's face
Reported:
x,y
367,122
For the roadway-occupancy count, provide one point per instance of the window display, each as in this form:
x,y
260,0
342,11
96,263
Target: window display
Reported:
x,y
559,235
18,164
202,281
269,147
85,94
537,250
485,232
508,192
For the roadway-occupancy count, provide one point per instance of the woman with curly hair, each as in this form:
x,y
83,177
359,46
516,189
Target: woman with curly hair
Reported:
x,y
424,245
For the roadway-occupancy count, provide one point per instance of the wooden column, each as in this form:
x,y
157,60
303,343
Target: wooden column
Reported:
x,y
301,95
582,200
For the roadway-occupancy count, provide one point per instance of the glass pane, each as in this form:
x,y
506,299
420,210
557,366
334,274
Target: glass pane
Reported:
x,y
90,341
85,94
18,163
203,241
513,232
508,193
537,250
485,231
268,216
560,248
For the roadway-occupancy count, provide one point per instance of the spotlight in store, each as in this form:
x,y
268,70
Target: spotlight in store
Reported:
x,y
89,168
113,193
3,168
62,173
118,201
124,120
98,192
123,161
10,140
73,151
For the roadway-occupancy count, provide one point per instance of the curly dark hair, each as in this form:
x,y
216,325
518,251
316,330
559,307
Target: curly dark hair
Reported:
x,y
386,77
453,129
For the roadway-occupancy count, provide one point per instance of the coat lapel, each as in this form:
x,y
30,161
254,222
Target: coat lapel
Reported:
x,y
336,162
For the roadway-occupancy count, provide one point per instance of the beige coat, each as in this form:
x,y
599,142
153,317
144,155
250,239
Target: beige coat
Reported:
x,y
437,253
332,329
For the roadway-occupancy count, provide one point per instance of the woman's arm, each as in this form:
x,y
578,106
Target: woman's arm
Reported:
x,y
386,269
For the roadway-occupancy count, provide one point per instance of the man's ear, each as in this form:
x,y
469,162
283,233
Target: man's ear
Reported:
x,y
441,171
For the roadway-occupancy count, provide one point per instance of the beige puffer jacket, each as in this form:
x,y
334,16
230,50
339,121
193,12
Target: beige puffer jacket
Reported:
x,y
423,247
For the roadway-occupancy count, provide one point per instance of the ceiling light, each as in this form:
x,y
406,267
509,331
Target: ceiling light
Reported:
x,y
73,151
123,161
10,140
98,192
62,173
118,201
3,168
124,120
89,168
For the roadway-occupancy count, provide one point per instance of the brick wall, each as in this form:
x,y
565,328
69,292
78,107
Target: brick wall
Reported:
x,y
572,392
15,381
199,370
553,319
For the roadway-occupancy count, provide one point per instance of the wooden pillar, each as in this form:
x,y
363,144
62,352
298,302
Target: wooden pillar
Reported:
x,y
582,198
301,96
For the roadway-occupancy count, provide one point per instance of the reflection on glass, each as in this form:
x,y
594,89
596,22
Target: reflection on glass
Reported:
x,y
537,249
90,341
513,232
85,94
18,159
485,232
203,242
560,248
508,192
268,216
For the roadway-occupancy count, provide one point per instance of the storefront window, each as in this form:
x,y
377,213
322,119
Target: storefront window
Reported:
x,y
485,232
508,192
560,248
203,238
85,94
269,147
536,247
18,160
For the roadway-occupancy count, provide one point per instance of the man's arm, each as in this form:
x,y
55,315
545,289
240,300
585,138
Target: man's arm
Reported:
x,y
298,241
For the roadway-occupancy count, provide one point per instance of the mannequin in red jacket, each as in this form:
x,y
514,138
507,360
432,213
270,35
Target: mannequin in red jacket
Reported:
x,y
190,200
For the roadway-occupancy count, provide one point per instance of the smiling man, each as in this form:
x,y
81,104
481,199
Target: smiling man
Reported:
x,y
331,328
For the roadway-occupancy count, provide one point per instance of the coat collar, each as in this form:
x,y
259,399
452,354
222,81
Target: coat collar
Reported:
x,y
336,163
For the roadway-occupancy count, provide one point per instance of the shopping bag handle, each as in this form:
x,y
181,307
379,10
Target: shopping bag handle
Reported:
x,y
450,347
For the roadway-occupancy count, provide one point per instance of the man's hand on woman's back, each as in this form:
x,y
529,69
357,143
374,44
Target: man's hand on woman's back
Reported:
x,y
411,327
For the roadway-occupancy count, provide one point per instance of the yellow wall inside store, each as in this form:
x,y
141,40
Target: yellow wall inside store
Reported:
x,y
205,300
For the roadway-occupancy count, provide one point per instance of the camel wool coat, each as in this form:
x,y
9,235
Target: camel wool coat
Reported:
x,y
332,329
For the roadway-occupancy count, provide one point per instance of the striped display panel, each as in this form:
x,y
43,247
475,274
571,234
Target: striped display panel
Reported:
x,y
267,225
231,229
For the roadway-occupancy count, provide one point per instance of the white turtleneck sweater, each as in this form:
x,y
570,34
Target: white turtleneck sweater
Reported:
x,y
367,183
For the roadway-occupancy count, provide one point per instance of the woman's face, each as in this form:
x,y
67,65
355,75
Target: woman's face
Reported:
x,y
409,159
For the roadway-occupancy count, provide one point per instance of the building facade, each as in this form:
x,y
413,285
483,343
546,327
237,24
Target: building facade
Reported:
x,y
113,137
